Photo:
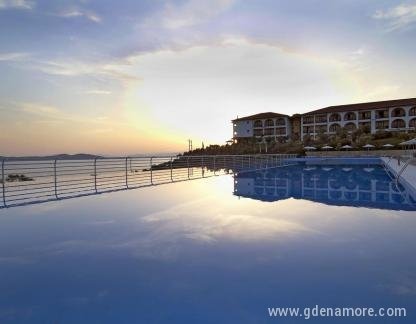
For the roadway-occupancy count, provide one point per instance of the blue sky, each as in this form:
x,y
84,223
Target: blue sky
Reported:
x,y
123,77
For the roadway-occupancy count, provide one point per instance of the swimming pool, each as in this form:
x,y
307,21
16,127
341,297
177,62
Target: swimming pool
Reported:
x,y
214,250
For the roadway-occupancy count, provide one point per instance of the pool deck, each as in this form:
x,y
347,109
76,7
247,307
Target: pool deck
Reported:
x,y
408,176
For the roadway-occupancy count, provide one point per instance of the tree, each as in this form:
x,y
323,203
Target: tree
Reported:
x,y
322,136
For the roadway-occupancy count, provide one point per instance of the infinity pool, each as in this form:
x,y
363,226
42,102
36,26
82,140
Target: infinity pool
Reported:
x,y
215,250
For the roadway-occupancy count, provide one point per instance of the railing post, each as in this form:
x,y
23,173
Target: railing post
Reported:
x,y
3,181
187,163
171,170
234,164
95,175
127,180
55,176
214,164
202,166
151,170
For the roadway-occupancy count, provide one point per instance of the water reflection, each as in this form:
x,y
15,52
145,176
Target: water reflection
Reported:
x,y
191,252
358,186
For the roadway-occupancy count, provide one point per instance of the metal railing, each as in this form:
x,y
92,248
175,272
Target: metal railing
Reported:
x,y
407,160
25,182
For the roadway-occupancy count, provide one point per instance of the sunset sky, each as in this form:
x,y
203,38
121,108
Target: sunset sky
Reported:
x,y
134,76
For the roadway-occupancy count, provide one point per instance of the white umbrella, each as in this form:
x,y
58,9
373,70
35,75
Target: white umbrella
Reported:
x,y
368,146
368,169
388,145
346,169
327,169
310,148
409,142
346,147
327,147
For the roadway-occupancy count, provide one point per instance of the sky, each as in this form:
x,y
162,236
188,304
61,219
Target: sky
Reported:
x,y
143,76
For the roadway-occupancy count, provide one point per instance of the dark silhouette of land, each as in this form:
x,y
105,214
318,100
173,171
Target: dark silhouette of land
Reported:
x,y
80,156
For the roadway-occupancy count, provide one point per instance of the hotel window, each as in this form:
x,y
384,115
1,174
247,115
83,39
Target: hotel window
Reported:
x,y
321,119
398,112
269,123
382,114
308,129
335,117
412,112
365,115
281,131
308,120
398,123
269,131
350,116
280,122
258,132
382,124
334,128
412,123
258,123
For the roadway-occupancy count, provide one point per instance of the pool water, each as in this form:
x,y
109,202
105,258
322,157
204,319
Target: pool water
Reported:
x,y
216,250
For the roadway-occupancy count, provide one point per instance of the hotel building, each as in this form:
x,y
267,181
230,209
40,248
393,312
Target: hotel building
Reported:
x,y
392,115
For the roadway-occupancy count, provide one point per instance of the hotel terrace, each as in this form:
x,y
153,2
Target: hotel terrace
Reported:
x,y
392,115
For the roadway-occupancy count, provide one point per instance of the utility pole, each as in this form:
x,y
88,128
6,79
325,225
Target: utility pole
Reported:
x,y
189,145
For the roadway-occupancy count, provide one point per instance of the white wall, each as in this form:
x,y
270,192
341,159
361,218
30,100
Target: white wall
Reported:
x,y
243,128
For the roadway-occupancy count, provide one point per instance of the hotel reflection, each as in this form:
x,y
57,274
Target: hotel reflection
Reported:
x,y
333,185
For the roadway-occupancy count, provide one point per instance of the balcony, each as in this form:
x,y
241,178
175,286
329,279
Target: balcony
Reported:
x,y
382,125
269,123
335,117
398,112
398,123
381,114
350,116
281,131
280,122
364,115
258,124
258,132
321,119
269,131
308,120
334,128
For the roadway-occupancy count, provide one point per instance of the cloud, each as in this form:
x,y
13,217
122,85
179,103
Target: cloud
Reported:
x,y
13,56
114,69
16,4
191,13
399,17
75,13
98,92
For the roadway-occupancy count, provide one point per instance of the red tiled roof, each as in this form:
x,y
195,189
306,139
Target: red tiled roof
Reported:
x,y
261,116
365,106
